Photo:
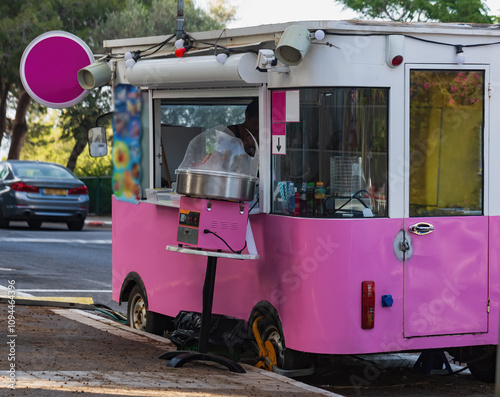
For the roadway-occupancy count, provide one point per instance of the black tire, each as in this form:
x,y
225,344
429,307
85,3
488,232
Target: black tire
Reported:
x,y
4,223
34,224
76,225
484,367
136,309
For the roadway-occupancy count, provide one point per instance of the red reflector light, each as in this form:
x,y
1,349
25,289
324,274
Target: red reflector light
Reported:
x,y
367,304
397,60
22,187
78,190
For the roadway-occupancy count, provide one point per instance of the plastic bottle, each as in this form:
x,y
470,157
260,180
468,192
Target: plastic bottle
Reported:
x,y
303,200
310,199
297,203
319,200
291,198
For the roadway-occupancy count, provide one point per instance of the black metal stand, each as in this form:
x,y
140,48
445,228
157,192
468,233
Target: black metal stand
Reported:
x,y
181,357
430,359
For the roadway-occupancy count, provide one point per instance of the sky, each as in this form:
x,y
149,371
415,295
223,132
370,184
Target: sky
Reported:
x,y
261,12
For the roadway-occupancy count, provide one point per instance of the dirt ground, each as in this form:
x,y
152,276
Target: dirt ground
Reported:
x,y
56,355
47,342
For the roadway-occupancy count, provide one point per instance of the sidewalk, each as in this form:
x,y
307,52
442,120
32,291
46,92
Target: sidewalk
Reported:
x,y
61,351
98,221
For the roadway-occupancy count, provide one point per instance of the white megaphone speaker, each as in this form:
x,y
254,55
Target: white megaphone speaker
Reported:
x,y
95,75
293,45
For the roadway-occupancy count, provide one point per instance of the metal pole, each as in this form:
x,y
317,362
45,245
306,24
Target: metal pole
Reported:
x,y
208,297
180,18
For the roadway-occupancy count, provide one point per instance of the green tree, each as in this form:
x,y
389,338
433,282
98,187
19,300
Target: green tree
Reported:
x,y
93,21
20,23
47,141
78,119
469,11
159,17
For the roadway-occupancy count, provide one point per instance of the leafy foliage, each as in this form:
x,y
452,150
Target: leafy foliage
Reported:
x,y
470,11
46,143
139,19
93,21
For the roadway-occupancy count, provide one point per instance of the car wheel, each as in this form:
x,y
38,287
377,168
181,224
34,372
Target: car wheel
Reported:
x,y
76,225
4,223
136,309
34,224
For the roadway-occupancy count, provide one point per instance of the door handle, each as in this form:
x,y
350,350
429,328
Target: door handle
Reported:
x,y
421,228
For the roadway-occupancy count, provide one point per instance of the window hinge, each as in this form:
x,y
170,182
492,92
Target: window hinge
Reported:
x,y
488,305
489,90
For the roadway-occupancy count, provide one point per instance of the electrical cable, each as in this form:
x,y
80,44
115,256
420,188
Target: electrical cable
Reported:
x,y
110,312
206,231
354,196
254,204
410,37
111,315
159,45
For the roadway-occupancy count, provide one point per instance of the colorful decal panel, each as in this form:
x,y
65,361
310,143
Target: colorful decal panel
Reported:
x,y
127,130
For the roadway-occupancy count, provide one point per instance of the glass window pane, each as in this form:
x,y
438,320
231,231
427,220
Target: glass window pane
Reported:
x,y
40,170
204,115
446,130
341,142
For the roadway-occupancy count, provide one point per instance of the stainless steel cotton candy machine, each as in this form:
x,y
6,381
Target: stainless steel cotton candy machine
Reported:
x,y
216,166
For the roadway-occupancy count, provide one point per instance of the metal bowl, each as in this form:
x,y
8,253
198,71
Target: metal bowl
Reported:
x,y
216,185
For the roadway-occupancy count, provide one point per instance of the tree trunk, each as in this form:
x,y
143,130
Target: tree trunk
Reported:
x,y
20,127
77,150
4,92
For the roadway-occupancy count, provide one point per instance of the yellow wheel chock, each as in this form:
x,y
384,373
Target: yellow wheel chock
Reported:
x,y
267,354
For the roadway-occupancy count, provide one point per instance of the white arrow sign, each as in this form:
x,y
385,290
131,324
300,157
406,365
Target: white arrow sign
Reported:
x,y
279,144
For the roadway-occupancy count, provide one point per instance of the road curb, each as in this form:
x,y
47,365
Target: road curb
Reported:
x,y
98,223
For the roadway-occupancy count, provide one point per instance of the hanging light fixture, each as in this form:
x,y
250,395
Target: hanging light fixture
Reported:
x,y
460,58
179,52
221,58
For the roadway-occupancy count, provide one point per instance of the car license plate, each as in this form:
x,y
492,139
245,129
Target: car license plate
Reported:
x,y
55,192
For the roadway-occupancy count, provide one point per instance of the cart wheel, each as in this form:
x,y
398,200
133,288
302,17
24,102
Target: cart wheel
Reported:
x,y
34,224
484,367
136,309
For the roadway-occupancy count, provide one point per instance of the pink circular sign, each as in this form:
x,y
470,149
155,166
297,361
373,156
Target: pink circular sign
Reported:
x,y
49,68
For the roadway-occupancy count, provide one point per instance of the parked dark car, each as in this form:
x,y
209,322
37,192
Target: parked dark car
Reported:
x,y
38,192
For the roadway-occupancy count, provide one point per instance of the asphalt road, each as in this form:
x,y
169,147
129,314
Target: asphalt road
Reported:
x,y
54,261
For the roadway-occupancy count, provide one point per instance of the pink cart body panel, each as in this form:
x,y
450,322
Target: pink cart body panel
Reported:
x,y
311,271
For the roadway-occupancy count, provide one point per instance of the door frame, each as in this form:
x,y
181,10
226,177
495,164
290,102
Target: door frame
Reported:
x,y
407,220
486,132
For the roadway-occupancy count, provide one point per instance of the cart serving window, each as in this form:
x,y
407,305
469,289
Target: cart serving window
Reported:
x,y
337,147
